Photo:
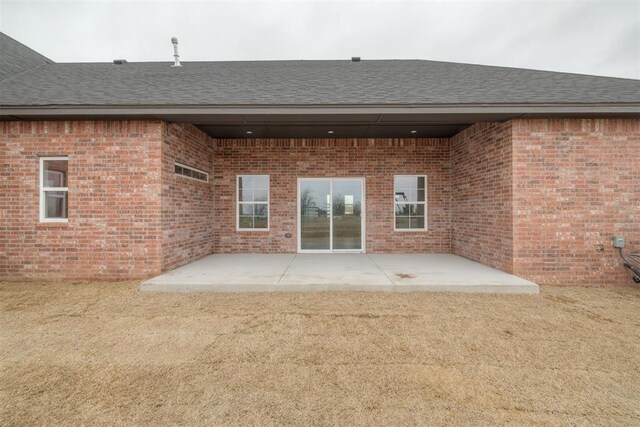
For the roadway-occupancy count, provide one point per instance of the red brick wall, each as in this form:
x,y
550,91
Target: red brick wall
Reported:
x,y
540,198
481,193
187,204
114,200
576,184
376,160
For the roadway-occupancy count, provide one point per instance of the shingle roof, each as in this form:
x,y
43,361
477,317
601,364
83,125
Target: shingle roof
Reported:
x,y
370,82
16,58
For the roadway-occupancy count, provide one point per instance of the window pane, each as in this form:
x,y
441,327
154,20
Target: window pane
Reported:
x,y
402,209
417,222
407,209
254,215
245,195
402,222
245,182
246,209
401,196
260,209
409,195
55,204
253,188
55,173
261,182
410,188
405,182
245,188
260,195
246,216
260,222
417,210
246,222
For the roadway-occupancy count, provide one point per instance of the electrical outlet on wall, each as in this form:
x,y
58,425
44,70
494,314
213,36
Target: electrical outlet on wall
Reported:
x,y
618,242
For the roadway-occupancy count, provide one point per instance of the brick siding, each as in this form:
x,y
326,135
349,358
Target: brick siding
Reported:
x,y
576,184
481,194
376,160
543,198
114,200
539,198
187,204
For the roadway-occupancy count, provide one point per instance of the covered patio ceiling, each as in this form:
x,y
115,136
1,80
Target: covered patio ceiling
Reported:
x,y
381,122
333,130
355,125
337,125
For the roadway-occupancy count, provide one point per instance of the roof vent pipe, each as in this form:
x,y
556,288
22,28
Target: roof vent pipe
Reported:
x,y
176,57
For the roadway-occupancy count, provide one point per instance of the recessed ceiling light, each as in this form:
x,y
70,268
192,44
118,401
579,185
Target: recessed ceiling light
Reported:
x,y
414,131
330,131
249,132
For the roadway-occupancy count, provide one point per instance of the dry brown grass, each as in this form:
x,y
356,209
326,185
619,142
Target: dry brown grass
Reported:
x,y
91,353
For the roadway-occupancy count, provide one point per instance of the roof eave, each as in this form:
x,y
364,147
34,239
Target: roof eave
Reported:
x,y
152,110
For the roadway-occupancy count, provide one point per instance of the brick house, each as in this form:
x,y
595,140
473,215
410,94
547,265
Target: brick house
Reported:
x,y
126,170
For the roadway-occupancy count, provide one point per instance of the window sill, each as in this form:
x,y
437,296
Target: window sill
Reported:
x,y
52,224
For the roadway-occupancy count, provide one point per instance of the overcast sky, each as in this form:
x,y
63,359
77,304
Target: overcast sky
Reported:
x,y
589,37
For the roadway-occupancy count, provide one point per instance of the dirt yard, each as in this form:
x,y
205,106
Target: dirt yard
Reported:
x,y
92,353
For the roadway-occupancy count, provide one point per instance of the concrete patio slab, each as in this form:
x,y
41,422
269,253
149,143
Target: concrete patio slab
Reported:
x,y
446,272
223,273
332,269
337,272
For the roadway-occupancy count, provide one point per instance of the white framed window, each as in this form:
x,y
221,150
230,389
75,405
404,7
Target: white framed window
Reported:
x,y
252,203
54,193
191,172
410,202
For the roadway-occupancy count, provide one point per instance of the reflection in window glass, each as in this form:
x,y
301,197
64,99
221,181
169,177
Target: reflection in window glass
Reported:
x,y
253,202
53,189
410,195
55,204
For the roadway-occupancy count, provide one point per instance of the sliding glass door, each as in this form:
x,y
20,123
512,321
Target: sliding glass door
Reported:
x,y
315,216
330,214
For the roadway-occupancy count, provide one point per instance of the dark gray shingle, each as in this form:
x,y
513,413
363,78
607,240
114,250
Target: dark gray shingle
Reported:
x,y
372,82
16,58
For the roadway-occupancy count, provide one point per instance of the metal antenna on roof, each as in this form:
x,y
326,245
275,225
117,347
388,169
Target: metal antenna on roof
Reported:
x,y
176,57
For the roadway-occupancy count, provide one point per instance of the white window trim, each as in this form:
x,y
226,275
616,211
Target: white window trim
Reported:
x,y
182,165
426,198
44,189
238,203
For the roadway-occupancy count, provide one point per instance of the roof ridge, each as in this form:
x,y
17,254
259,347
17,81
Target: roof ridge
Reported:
x,y
18,58
27,47
363,61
